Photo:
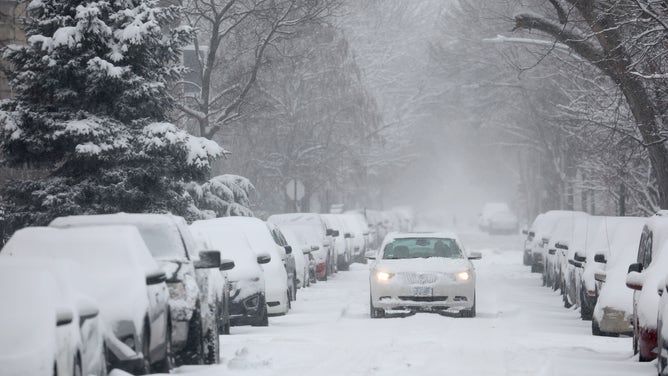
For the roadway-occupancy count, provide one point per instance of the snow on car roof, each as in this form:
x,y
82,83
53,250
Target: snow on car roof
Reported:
x,y
426,234
159,231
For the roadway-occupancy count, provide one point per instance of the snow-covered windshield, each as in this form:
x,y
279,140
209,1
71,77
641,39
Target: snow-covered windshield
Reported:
x,y
409,248
162,241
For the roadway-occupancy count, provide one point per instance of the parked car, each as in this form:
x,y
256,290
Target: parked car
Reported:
x,y
288,258
428,272
342,241
261,242
301,251
542,230
246,280
193,277
604,277
360,233
497,218
312,241
325,257
47,325
121,276
644,278
573,254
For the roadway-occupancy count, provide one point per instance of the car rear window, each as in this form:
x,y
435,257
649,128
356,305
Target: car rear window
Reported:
x,y
410,248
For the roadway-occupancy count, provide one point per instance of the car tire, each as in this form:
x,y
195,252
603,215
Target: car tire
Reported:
x,y
375,313
76,371
263,320
193,352
586,313
470,313
146,352
167,363
211,341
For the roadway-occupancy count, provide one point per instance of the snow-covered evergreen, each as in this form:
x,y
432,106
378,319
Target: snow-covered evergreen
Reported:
x,y
221,196
91,109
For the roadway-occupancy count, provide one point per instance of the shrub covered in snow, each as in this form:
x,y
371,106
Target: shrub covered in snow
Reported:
x,y
221,196
91,108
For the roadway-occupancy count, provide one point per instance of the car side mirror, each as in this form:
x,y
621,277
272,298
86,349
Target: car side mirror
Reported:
x,y
288,249
335,233
264,258
634,281
314,248
348,235
155,277
600,258
87,310
579,257
600,277
365,233
475,256
561,245
226,265
525,232
636,267
64,317
370,255
577,264
208,260
552,251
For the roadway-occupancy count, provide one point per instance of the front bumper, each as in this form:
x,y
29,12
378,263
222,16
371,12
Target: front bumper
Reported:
x,y
248,310
616,321
453,297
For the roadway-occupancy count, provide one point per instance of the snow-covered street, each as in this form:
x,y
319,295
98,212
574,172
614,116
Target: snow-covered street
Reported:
x,y
521,329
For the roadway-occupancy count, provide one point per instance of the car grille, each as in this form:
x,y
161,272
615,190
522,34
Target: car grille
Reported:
x,y
419,278
424,298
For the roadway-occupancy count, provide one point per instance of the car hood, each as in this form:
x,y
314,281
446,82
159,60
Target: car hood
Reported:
x,y
432,264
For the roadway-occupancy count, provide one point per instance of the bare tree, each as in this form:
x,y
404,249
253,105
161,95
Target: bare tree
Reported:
x,y
231,43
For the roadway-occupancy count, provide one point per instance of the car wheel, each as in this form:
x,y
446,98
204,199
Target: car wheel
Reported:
x,y
77,367
193,352
375,313
470,312
168,362
288,301
211,341
146,351
263,320
595,329
586,312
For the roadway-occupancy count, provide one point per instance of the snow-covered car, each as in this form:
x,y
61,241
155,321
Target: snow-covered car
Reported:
x,y
645,277
422,272
360,232
530,241
288,258
47,325
259,237
542,228
497,218
573,254
311,240
325,257
604,276
247,281
301,251
118,272
342,240
195,292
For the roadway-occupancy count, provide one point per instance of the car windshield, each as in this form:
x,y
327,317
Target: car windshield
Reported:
x,y
409,248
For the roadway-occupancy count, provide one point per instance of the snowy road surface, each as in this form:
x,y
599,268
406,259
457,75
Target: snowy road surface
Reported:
x,y
521,329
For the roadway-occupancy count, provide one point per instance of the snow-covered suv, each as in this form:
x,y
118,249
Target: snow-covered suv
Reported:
x,y
196,295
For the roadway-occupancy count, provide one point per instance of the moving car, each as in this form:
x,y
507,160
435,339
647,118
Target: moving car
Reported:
x,y
497,218
193,277
246,280
429,272
47,326
119,273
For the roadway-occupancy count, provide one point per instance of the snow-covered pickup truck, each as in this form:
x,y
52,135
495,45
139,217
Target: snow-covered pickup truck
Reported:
x,y
197,303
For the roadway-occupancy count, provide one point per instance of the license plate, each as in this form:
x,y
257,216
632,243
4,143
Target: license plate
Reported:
x,y
423,291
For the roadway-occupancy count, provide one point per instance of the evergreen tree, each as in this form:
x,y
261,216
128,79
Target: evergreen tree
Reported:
x,y
91,110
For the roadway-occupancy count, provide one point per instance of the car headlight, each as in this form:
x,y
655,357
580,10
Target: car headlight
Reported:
x,y
383,276
463,276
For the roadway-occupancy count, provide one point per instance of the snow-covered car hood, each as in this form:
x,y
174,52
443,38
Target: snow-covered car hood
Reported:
x,y
432,264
